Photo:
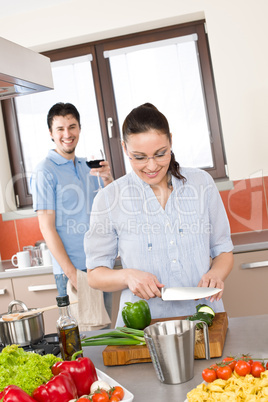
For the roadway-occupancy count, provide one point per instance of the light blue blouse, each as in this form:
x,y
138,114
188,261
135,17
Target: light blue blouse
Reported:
x,y
175,244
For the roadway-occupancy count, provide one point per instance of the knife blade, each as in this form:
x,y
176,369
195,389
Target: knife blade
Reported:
x,y
187,293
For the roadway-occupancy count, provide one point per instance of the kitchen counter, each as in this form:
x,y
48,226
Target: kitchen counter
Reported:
x,y
250,241
7,270
244,335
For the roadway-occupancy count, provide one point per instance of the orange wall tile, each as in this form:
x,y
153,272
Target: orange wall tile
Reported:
x,y
28,232
246,205
16,234
8,239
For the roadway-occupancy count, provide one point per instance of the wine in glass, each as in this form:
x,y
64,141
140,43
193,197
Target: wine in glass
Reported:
x,y
94,163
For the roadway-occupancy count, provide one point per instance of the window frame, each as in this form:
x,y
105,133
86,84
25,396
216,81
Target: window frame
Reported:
x,y
106,103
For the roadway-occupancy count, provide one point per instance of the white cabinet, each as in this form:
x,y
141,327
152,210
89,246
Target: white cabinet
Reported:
x,y
38,291
6,294
245,290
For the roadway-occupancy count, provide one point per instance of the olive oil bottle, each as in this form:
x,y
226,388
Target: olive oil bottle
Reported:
x,y
67,328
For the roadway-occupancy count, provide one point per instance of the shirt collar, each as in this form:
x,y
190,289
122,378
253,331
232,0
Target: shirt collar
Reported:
x,y
60,160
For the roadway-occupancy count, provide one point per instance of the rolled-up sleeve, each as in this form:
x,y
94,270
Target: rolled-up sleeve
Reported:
x,y
220,239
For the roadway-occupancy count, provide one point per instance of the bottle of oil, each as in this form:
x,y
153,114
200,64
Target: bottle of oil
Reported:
x,y
67,328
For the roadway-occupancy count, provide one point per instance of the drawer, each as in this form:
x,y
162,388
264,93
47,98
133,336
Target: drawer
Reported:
x,y
6,294
39,291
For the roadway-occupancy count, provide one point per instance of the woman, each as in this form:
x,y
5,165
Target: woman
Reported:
x,y
167,223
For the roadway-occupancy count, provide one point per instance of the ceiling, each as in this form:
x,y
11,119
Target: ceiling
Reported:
x,y
10,8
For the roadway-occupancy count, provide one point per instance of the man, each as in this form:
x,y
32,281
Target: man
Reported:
x,y
63,189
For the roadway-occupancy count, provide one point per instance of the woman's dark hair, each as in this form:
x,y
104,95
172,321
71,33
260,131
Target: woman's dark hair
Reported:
x,y
62,109
145,118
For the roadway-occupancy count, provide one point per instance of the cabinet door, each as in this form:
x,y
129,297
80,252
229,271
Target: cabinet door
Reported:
x,y
245,290
6,294
39,291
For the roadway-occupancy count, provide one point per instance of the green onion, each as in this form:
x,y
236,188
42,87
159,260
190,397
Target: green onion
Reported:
x,y
121,336
111,341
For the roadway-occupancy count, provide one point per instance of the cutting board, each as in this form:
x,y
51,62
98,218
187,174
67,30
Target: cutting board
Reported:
x,y
122,355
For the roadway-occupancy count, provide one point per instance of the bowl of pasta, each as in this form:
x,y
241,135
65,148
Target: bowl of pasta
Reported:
x,y
241,378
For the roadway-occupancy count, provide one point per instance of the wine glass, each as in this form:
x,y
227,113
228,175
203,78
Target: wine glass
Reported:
x,y
94,163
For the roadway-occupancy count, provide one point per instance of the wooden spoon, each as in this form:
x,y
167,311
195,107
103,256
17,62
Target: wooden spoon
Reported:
x,y
18,316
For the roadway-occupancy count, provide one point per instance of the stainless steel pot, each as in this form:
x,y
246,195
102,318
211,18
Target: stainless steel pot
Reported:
x,y
22,332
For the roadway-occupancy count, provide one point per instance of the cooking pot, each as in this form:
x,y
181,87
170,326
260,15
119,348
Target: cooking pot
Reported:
x,y
23,332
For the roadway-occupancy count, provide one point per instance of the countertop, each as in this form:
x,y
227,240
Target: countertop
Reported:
x,y
250,241
141,380
7,270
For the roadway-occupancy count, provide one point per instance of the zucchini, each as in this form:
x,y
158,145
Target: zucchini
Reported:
x,y
203,308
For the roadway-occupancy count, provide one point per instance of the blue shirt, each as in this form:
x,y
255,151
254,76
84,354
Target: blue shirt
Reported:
x,y
67,188
176,243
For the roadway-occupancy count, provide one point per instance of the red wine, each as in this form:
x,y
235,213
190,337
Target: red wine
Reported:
x,y
95,163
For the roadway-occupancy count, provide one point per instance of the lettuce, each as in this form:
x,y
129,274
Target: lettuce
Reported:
x,y
25,369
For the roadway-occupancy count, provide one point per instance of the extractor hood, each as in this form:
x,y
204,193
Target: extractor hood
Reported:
x,y
22,71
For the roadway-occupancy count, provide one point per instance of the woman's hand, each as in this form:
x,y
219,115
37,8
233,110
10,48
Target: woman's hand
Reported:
x,y
220,268
210,281
104,172
143,284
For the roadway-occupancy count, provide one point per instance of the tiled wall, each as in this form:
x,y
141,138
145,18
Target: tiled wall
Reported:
x,y
246,207
16,234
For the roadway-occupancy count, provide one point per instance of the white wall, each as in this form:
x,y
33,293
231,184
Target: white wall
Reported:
x,y
236,30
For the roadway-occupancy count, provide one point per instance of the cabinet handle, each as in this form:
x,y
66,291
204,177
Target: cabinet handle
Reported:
x,y
260,264
40,288
2,291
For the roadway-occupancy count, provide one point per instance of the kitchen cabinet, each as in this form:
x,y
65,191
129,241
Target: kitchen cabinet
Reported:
x,y
7,198
6,294
38,291
245,290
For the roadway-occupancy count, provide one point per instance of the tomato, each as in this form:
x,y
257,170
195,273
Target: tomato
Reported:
x,y
209,375
242,368
231,360
257,368
117,391
100,396
224,372
266,366
214,366
247,358
114,399
82,399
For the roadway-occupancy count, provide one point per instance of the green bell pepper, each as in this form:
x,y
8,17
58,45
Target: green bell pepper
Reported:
x,y
137,315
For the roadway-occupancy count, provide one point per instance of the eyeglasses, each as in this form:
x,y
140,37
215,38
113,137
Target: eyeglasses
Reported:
x,y
158,158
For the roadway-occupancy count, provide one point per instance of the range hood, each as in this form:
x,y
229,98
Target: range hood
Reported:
x,y
22,71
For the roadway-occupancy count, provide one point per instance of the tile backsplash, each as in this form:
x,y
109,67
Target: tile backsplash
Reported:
x,y
15,234
246,207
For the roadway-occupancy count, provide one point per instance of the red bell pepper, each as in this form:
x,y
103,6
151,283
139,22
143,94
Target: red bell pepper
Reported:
x,y
82,370
60,388
12,393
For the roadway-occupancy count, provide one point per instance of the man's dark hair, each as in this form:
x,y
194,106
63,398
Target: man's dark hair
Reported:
x,y
62,109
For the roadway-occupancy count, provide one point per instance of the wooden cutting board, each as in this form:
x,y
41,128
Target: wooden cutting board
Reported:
x,y
121,355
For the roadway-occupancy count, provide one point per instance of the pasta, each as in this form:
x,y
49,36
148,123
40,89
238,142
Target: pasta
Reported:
x,y
235,389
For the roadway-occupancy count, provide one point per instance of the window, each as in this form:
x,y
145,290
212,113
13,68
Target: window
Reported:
x,y
169,67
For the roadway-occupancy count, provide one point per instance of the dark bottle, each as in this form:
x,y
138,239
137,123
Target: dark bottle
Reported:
x,y
67,328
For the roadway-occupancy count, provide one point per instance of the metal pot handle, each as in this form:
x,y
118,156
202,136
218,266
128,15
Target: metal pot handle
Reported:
x,y
206,338
14,303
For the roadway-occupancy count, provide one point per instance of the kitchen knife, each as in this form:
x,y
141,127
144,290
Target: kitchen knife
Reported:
x,y
187,293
